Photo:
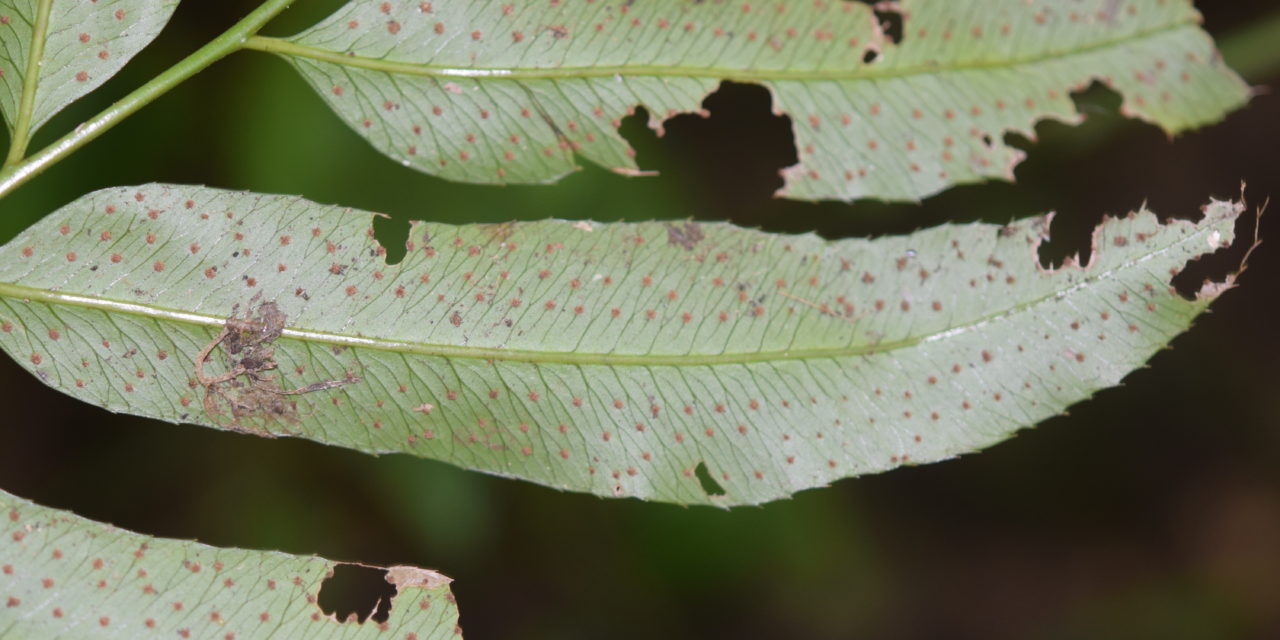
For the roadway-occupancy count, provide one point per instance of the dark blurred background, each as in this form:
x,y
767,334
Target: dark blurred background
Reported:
x,y
1152,511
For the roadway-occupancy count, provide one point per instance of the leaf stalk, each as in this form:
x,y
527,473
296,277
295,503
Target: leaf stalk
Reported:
x,y
18,172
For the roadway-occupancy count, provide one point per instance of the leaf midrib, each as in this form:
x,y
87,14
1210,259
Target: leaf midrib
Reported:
x,y
29,294
21,131
289,48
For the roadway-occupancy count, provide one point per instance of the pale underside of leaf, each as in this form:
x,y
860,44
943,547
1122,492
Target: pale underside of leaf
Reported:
x,y
62,576
491,91
82,45
608,358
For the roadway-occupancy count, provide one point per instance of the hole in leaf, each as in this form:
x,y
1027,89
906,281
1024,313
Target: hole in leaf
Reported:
x,y
870,56
1071,234
709,484
728,162
889,16
392,235
890,21
359,591
634,128
1098,99
1217,265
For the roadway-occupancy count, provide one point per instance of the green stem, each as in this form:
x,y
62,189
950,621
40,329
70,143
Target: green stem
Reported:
x,y
230,41
31,78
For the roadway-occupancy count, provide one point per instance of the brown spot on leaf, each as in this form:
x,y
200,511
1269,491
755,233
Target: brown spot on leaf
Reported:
x,y
686,235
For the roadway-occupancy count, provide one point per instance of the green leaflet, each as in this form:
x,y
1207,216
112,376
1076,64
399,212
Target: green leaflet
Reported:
x,y
616,359
498,91
62,576
72,45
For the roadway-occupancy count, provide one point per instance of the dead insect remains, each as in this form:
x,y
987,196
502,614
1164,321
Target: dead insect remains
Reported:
x,y
246,390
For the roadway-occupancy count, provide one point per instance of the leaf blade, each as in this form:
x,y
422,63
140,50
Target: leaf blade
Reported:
x,y
66,576
493,93
609,358
83,45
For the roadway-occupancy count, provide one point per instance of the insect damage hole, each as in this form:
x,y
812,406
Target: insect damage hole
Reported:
x,y
735,148
1070,239
356,593
1099,100
247,389
1218,269
392,236
709,484
889,18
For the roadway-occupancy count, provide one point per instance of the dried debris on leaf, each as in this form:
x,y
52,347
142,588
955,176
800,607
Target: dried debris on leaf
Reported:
x,y
246,390
686,235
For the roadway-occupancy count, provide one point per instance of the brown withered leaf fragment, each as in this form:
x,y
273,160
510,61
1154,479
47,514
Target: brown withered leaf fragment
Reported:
x,y
246,390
